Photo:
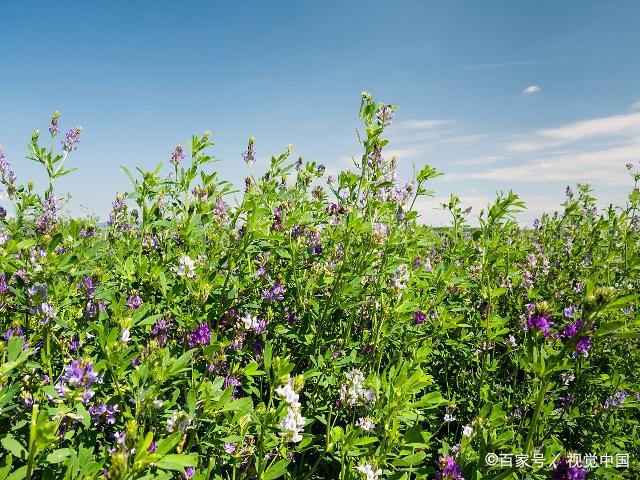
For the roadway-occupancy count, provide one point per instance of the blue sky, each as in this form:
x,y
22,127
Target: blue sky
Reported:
x,y
141,76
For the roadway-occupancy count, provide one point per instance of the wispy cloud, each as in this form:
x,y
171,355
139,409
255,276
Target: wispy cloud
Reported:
x,y
465,138
594,150
612,126
431,211
484,66
531,89
405,125
410,138
604,166
635,105
482,160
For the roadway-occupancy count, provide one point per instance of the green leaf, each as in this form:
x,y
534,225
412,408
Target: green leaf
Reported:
x,y
165,445
19,474
177,462
58,455
14,447
410,460
277,469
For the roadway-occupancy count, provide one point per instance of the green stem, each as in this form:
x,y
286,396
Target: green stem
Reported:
x,y
533,426
32,441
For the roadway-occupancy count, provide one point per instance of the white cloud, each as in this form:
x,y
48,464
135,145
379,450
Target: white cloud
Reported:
x,y
431,211
465,138
405,125
613,126
604,166
531,89
635,106
482,160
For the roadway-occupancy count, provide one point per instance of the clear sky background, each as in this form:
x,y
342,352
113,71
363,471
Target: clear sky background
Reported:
x,y
528,95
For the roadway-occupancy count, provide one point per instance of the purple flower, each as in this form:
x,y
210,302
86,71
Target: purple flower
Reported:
x,y
86,284
375,157
152,447
46,221
177,155
570,330
449,469
563,471
316,249
93,308
542,323
53,128
87,232
384,115
274,293
77,376
46,312
120,437
189,472
249,155
231,381
103,414
14,332
70,142
200,336
570,311
419,318
133,302
22,275
615,400
8,177
74,345
221,210
160,331
291,317
583,345
229,448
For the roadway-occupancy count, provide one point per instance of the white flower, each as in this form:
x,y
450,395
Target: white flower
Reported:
x,y
401,277
365,424
171,423
368,471
288,394
186,267
126,335
249,322
467,430
512,341
292,425
353,392
567,377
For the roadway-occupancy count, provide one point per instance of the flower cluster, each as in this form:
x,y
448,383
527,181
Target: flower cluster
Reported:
x,y
77,379
369,472
449,469
293,422
186,267
352,392
200,336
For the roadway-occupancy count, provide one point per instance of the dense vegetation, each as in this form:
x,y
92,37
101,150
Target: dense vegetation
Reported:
x,y
315,330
